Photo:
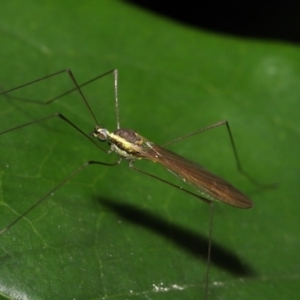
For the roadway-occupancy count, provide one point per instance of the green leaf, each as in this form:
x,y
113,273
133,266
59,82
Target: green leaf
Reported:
x,y
111,233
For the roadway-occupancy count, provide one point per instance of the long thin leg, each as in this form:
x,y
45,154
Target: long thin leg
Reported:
x,y
170,183
77,87
60,116
211,216
116,98
211,204
236,156
88,163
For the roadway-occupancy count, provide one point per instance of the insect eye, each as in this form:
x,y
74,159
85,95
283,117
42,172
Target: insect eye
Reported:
x,y
100,133
101,136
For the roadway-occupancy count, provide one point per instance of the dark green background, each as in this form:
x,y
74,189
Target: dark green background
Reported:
x,y
111,233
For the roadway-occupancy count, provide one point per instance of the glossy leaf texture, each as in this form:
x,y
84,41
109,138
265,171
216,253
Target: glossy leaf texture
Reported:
x,y
111,233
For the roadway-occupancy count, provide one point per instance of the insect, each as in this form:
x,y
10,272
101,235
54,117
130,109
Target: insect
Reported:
x,y
131,146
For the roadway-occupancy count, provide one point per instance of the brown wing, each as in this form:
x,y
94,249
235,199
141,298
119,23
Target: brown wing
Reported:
x,y
210,186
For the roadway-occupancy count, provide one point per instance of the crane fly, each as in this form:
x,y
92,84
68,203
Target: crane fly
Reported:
x,y
131,146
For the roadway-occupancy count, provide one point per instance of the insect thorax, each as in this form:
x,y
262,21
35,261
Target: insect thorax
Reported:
x,y
126,143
